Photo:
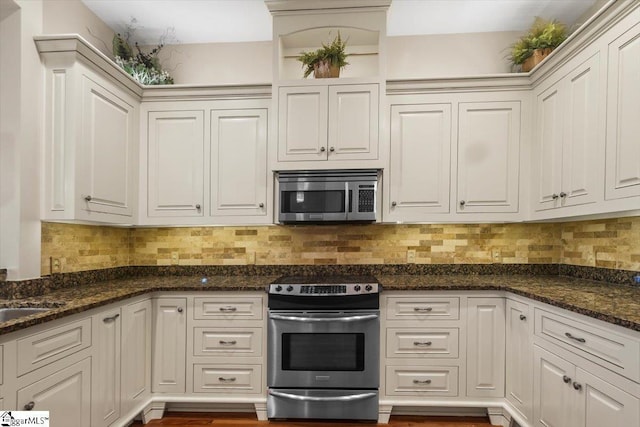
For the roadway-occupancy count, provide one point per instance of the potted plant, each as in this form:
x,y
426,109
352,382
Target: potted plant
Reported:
x,y
533,47
326,61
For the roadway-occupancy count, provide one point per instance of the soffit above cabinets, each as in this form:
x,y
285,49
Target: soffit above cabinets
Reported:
x,y
221,21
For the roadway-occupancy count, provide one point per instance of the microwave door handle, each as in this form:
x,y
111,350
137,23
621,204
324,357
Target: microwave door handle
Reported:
x,y
324,319
323,399
347,201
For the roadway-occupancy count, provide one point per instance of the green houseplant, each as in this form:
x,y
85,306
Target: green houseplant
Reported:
x,y
540,40
326,61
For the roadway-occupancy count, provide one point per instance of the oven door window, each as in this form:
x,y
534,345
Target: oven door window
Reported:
x,y
325,201
323,352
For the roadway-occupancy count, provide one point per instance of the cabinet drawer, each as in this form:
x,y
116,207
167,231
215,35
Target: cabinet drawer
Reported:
x,y
616,352
248,308
441,343
422,380
46,347
244,379
227,341
408,308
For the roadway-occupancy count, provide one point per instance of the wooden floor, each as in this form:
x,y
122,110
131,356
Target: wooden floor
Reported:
x,y
249,420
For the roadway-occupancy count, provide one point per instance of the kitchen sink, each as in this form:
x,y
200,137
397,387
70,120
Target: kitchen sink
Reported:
x,y
7,314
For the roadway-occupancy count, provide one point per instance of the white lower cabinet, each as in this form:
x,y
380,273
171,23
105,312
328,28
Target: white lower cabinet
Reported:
x,y
105,369
66,394
519,358
169,345
136,349
485,347
568,396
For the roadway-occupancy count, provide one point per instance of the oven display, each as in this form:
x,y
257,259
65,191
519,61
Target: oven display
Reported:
x,y
323,352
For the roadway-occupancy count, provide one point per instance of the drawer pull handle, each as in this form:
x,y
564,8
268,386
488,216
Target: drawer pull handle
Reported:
x,y
29,406
566,379
110,318
226,380
422,381
577,386
228,309
423,309
568,335
227,342
422,343
523,317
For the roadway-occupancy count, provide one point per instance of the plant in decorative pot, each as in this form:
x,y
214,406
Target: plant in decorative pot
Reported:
x,y
533,47
326,61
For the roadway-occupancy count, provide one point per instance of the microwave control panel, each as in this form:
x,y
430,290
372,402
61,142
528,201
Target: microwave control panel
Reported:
x,y
366,198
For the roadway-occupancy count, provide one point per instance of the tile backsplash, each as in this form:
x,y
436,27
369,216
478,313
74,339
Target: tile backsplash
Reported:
x,y
611,243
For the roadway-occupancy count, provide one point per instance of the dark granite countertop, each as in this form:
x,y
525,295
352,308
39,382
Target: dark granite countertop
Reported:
x,y
614,303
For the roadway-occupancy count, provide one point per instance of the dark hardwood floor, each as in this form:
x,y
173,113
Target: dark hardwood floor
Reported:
x,y
189,419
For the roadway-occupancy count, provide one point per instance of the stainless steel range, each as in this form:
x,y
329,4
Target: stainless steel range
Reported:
x,y
323,348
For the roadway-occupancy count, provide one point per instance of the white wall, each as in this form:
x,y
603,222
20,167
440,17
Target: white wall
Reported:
x,y
20,132
448,55
72,16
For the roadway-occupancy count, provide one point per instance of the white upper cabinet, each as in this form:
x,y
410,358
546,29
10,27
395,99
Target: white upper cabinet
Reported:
x,y
488,157
90,142
623,117
419,169
328,123
175,163
239,162
567,152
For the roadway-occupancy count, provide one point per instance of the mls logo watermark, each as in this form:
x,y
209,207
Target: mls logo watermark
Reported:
x,y
24,418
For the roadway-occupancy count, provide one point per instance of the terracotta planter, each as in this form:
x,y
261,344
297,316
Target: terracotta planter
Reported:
x,y
325,69
535,59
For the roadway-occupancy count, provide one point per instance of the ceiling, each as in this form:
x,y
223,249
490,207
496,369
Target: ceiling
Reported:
x,y
216,21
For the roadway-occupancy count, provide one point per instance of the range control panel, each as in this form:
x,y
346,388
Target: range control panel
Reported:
x,y
323,290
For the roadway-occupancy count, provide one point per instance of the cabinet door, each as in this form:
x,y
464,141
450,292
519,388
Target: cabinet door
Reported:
x,y
519,362
302,123
420,161
239,162
169,346
353,122
136,344
547,151
105,369
582,164
602,404
623,125
485,347
66,394
176,163
488,156
105,179
554,400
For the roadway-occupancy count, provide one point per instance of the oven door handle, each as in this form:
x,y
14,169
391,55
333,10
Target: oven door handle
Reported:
x,y
350,398
324,319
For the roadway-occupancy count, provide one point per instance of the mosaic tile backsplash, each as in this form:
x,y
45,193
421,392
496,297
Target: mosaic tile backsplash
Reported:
x,y
611,243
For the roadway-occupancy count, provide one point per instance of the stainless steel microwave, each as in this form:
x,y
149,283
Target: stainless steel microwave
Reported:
x,y
328,195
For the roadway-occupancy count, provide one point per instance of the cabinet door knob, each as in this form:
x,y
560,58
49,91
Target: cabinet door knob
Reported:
x,y
563,194
577,386
88,198
179,309
322,149
198,206
566,379
462,203
332,149
523,317
394,204
554,196
261,205
29,406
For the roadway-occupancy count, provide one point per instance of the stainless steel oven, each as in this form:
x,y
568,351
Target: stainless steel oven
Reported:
x,y
323,348
329,195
